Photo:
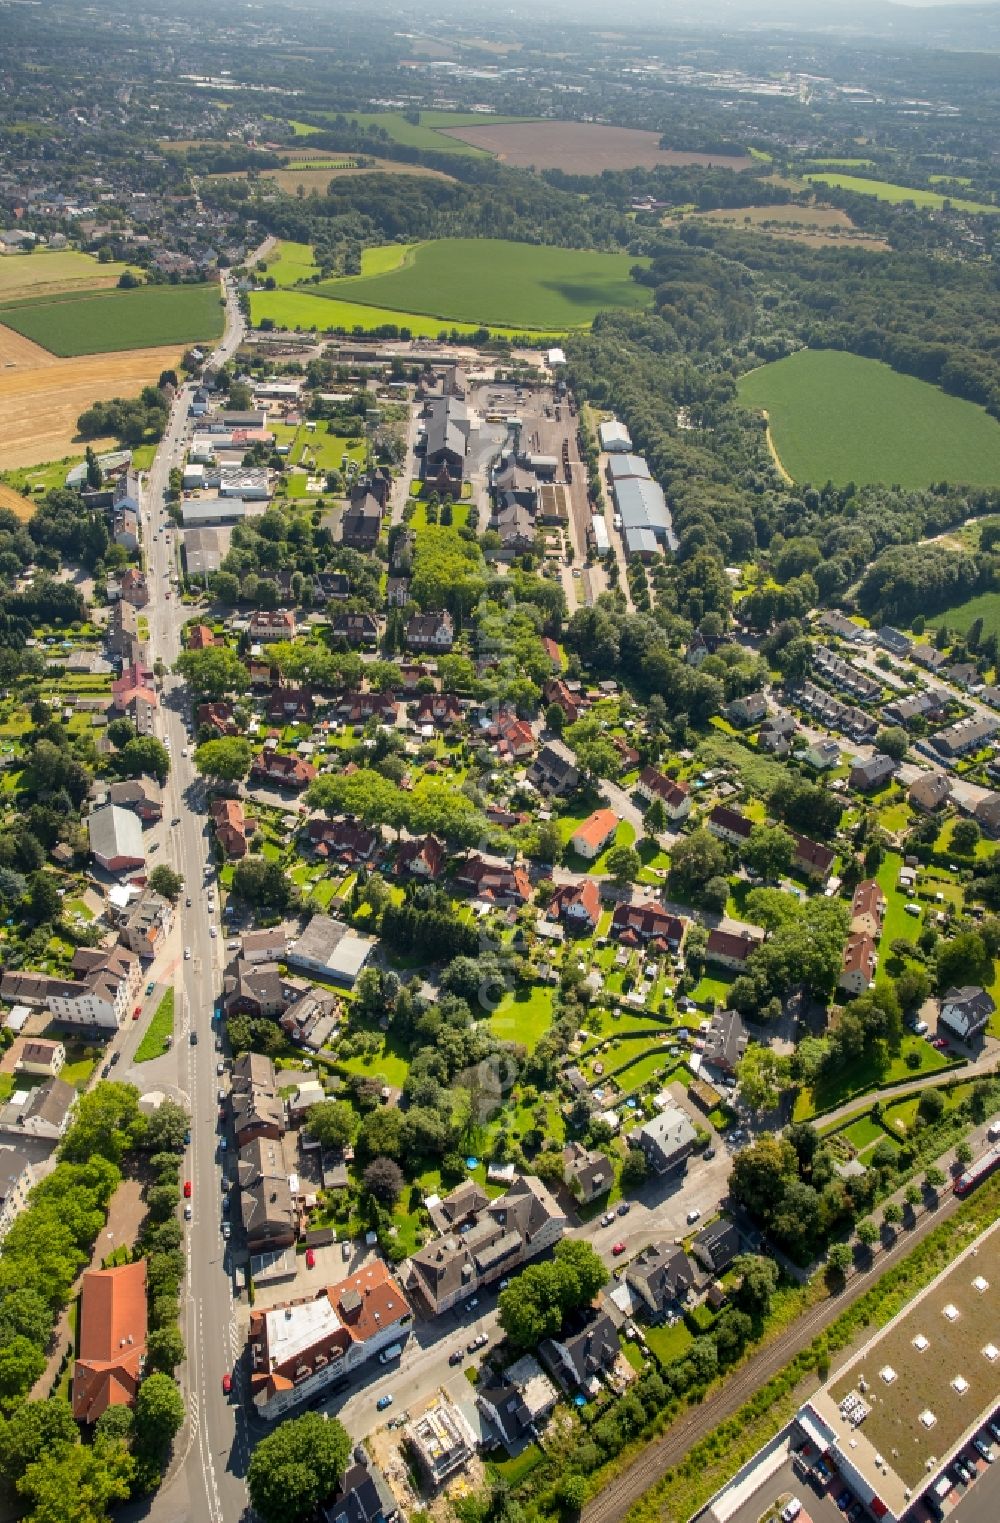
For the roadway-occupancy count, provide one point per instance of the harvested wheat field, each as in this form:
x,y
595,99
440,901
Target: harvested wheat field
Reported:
x,y
41,396
21,507
581,147
311,178
820,226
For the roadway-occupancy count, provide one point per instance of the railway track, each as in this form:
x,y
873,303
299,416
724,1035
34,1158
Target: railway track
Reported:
x,y
621,1494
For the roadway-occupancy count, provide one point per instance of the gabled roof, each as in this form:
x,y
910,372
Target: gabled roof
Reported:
x,y
112,1339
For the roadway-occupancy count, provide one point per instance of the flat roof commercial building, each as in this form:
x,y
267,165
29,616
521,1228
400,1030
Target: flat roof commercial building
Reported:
x,y
897,1415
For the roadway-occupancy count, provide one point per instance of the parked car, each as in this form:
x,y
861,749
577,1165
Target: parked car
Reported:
x,y
383,1403
962,1471
625,1208
188,1189
983,1448
791,1510
607,1218
136,1012
345,1251
310,1259
227,1384
188,1213
694,1215
187,954
618,1250
844,1500
150,986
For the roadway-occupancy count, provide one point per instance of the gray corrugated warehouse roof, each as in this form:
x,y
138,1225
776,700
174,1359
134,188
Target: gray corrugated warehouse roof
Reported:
x,y
614,436
642,505
622,466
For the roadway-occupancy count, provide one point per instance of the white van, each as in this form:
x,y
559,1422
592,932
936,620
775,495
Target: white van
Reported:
x,y
389,1354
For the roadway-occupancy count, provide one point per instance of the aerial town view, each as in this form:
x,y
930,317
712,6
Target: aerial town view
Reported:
x,y
499,762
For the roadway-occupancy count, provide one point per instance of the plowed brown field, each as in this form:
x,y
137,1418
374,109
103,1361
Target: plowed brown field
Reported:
x,y
581,147
41,396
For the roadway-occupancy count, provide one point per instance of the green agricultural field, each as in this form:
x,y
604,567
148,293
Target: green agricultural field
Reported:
x,y
896,194
986,607
834,416
426,133
839,164
494,282
296,309
98,322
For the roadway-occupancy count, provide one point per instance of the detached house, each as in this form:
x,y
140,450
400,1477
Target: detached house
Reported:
x,y
112,1340
588,1174
731,949
665,1140
277,771
555,691
356,629
596,832
868,776
433,632
422,858
494,881
812,859
675,797
554,770
361,524
930,792
576,1362
725,1041
231,827
271,625
966,1011
578,904
661,1276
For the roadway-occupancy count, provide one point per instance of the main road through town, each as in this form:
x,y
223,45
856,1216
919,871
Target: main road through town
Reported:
x,y
207,1479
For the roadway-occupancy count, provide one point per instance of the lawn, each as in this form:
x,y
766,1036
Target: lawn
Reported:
x,y
155,1040
523,1015
668,1343
834,416
896,194
97,322
390,1062
495,282
863,1077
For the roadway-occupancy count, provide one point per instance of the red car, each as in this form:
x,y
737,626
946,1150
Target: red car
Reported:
x,y
136,1012
227,1384
187,1189
618,1250
310,1259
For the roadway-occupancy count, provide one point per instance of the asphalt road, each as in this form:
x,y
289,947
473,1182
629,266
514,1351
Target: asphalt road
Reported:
x,y
206,1481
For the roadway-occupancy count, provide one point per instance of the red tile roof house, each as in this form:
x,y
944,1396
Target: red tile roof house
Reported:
x,y
868,908
282,771
218,717
135,589
290,705
597,831
811,858
439,709
231,826
578,904
647,924
112,1340
270,624
859,963
344,839
199,637
730,949
494,881
514,737
675,797
552,651
135,682
423,859
555,691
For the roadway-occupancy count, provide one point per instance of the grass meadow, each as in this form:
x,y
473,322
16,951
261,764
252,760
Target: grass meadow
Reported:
x,y
45,272
931,200
491,281
834,416
425,133
985,606
99,322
